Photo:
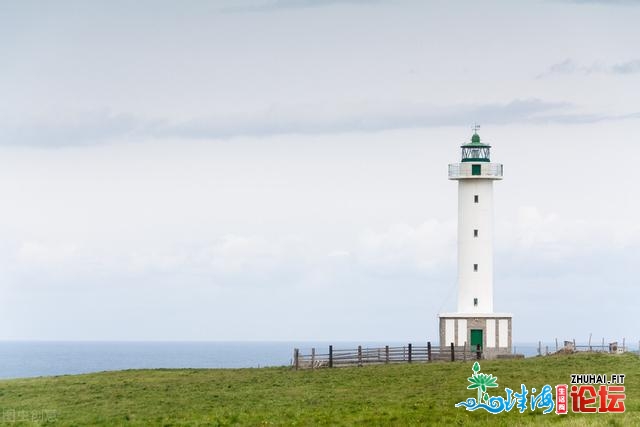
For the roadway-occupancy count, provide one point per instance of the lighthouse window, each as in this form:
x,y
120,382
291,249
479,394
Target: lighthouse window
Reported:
x,y
475,233
475,302
475,267
475,199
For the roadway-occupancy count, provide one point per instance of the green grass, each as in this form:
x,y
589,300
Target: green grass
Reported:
x,y
416,394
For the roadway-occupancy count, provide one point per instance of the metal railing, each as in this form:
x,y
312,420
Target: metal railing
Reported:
x,y
464,170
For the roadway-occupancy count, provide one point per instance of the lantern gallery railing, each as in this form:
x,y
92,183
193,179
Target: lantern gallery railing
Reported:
x,y
475,170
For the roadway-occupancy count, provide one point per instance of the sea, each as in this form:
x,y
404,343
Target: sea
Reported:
x,y
21,359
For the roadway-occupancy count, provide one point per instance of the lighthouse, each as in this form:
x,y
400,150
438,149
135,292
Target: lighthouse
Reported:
x,y
475,323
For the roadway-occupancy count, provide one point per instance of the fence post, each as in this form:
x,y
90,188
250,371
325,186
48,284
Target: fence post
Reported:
x,y
453,354
478,353
296,354
386,354
313,357
429,351
331,356
409,352
359,355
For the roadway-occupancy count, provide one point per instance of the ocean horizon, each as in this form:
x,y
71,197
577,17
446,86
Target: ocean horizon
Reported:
x,y
23,359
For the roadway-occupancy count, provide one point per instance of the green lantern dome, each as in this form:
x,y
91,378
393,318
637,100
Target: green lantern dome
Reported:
x,y
475,151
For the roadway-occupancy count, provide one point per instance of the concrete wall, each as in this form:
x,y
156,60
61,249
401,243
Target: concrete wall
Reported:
x,y
475,250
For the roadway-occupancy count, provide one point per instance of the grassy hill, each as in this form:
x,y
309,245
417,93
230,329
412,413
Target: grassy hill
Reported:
x,y
415,394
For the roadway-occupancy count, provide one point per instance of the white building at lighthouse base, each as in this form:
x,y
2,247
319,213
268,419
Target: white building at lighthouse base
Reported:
x,y
492,331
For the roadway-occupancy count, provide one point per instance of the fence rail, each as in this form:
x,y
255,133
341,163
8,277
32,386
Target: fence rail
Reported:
x,y
571,346
378,355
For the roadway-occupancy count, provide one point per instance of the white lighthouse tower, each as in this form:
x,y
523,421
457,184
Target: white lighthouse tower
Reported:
x,y
475,323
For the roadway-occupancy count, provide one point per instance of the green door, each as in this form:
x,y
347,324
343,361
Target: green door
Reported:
x,y
476,338
475,169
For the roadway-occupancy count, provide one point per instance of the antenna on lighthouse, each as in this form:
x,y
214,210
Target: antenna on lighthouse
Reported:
x,y
475,127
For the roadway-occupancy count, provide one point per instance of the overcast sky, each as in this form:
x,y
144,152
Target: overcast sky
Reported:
x,y
277,169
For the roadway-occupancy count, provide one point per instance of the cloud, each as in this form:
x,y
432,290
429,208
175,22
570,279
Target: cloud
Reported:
x,y
233,254
570,67
607,2
38,254
403,249
104,127
582,118
230,258
627,67
89,128
339,253
101,127
356,118
543,243
565,67
245,260
273,5
226,261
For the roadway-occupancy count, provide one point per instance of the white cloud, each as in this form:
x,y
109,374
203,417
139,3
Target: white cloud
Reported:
x,y
548,233
339,253
403,248
233,254
570,67
541,243
38,254
607,2
312,119
274,5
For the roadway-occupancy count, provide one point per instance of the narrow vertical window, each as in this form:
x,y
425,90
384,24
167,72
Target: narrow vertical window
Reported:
x,y
475,233
475,267
475,199
475,302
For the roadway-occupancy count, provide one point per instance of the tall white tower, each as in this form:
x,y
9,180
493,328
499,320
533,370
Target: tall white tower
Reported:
x,y
475,323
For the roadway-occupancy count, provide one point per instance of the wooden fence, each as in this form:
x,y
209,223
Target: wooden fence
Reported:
x,y
364,356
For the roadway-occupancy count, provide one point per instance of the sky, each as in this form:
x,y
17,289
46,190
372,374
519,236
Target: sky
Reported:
x,y
277,169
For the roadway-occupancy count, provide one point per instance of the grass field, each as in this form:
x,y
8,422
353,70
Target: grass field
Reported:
x,y
416,394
